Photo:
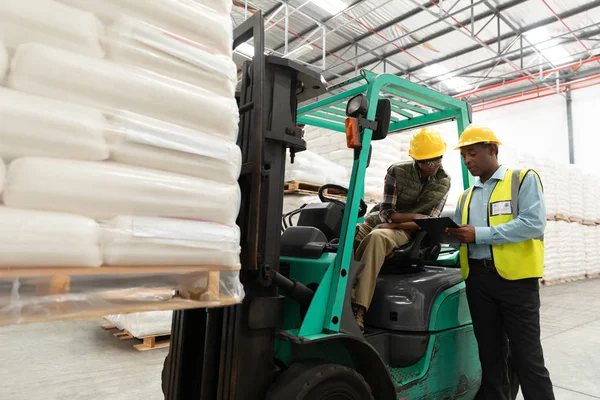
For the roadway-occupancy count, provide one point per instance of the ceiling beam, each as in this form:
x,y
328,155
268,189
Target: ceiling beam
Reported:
x,y
315,26
439,34
379,28
544,22
526,53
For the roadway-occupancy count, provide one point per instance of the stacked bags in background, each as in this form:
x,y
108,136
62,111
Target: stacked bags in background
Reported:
x,y
572,230
153,323
310,167
118,132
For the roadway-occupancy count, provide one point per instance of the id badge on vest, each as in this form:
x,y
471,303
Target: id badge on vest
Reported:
x,y
501,208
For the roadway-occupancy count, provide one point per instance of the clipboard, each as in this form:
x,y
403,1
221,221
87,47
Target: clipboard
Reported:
x,y
436,227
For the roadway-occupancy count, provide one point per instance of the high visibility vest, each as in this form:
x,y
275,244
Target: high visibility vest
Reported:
x,y
515,260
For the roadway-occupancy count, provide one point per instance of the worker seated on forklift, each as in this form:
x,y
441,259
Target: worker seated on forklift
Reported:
x,y
412,190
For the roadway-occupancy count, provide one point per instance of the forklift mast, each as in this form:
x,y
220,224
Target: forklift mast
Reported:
x,y
228,353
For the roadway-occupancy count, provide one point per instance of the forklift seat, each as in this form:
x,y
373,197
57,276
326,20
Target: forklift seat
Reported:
x,y
404,302
421,250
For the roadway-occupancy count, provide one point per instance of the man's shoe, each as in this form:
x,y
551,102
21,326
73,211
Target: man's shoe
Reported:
x,y
359,315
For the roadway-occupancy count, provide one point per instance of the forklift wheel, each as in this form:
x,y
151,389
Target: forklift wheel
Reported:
x,y
317,380
166,374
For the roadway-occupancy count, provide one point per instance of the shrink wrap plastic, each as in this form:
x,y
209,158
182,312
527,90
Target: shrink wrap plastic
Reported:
x,y
118,158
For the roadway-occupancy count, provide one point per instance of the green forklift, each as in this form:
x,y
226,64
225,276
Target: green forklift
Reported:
x,y
419,330
295,336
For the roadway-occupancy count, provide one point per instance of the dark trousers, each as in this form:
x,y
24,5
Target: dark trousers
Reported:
x,y
506,320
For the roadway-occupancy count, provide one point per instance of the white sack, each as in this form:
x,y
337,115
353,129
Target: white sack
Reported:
x,y
45,239
2,175
150,143
152,323
142,45
103,190
192,21
3,61
313,168
51,23
37,126
144,241
64,75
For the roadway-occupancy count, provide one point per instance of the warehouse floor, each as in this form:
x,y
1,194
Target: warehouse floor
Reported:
x,y
78,360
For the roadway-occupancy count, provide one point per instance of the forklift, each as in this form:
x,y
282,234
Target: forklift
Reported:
x,y
295,336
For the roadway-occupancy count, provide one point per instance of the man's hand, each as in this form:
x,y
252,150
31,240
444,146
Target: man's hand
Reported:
x,y
466,233
421,216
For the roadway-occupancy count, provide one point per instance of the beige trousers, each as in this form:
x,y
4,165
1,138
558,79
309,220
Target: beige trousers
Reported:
x,y
372,248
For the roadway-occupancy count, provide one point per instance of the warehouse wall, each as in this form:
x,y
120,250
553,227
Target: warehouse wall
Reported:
x,y
586,135
540,126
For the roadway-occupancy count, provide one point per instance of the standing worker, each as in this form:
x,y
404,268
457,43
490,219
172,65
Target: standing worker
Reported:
x,y
412,190
502,220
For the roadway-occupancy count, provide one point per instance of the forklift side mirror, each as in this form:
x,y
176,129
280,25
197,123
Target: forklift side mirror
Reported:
x,y
382,116
353,131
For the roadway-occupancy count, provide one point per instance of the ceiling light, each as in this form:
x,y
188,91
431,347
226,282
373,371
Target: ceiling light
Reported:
x,y
444,76
331,6
549,49
246,50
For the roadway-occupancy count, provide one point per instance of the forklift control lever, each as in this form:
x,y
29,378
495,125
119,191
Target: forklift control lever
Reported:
x,y
292,288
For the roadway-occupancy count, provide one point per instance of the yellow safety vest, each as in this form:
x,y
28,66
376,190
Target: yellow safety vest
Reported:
x,y
515,260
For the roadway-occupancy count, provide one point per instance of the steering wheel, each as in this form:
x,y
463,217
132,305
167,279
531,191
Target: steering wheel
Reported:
x,y
363,206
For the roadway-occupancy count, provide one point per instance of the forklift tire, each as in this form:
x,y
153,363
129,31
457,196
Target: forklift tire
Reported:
x,y
166,374
319,379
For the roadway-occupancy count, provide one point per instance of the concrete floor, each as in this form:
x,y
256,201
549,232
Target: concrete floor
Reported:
x,y
78,360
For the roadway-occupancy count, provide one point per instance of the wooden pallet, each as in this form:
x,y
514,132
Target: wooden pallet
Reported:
x,y
148,342
48,283
310,189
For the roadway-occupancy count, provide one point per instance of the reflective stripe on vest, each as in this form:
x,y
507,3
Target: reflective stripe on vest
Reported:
x,y
515,260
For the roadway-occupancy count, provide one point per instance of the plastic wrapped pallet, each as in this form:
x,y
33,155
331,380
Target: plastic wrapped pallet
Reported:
x,y
52,23
141,241
104,190
118,130
139,325
36,126
110,86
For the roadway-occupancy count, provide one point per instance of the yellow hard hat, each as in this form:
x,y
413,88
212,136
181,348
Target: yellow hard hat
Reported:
x,y
477,134
426,144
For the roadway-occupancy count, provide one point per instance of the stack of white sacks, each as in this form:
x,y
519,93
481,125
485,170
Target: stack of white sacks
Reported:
x,y
332,145
572,230
118,128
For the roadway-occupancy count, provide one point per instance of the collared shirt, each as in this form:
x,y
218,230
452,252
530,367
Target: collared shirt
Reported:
x,y
530,223
388,203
